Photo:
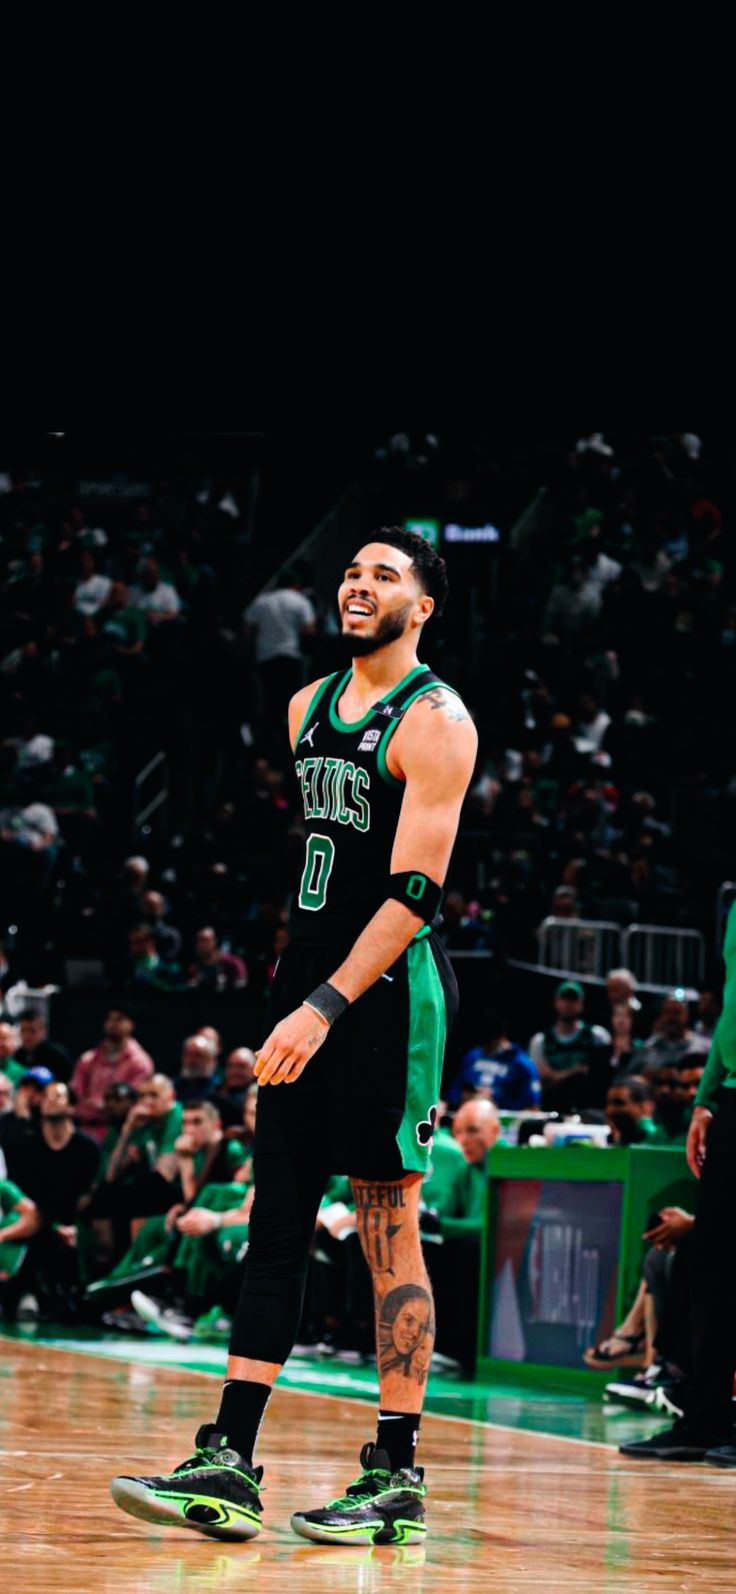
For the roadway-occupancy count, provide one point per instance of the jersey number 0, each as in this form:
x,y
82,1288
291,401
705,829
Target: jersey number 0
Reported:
x,y
316,873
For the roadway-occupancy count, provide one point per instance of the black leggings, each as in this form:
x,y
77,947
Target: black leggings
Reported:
x,y
289,1188
713,1281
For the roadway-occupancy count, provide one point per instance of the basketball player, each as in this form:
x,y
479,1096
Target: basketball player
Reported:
x,y
362,1001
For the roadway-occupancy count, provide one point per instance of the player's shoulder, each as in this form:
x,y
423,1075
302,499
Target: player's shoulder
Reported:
x,y
436,733
299,705
438,723
303,697
441,703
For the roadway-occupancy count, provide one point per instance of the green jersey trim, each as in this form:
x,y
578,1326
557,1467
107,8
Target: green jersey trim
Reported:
x,y
393,725
357,725
427,1036
317,698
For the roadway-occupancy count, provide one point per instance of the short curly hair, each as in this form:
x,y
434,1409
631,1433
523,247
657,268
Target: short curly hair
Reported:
x,y
397,1299
430,569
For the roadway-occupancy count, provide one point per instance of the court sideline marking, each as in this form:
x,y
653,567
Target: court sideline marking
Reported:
x,y
79,1348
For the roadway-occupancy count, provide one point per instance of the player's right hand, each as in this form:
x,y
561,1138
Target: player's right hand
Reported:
x,y
697,1136
287,1050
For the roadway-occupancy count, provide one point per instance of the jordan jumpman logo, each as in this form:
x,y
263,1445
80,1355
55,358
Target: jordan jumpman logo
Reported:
x,y
307,737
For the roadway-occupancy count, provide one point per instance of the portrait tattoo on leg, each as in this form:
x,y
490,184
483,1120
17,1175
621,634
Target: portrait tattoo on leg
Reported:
x,y
406,1332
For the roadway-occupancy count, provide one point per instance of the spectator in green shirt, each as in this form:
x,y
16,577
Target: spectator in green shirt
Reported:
x,y
20,1219
203,1154
123,627
149,1134
213,1178
675,1091
630,1112
147,967
9,1041
453,1226
476,1128
141,1175
445,1164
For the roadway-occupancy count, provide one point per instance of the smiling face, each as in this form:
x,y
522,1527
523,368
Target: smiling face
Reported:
x,y
410,1326
380,599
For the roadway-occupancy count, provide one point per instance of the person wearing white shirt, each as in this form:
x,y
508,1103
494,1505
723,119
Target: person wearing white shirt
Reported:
x,y
93,589
278,622
157,599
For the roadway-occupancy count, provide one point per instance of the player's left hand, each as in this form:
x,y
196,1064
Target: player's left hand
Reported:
x,y
286,1052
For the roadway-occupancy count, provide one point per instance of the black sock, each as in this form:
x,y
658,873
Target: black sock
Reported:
x,y
241,1414
397,1435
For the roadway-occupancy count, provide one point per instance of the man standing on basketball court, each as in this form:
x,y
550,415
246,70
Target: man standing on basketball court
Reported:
x,y
362,1002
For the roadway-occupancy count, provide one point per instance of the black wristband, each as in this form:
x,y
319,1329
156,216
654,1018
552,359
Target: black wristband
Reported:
x,y
417,892
326,1001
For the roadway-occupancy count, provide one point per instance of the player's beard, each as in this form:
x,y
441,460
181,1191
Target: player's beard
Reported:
x,y
388,630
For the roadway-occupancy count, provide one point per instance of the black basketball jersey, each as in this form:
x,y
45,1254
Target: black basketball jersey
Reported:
x,y
351,808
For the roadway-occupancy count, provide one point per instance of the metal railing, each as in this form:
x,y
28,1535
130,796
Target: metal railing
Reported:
x,y
579,946
663,959
150,791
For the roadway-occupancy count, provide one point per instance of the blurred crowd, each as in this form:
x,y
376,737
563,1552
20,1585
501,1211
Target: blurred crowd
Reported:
x,y
594,657
126,1191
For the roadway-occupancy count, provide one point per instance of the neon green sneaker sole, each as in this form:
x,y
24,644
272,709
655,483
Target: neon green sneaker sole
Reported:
x,y
373,1531
215,1518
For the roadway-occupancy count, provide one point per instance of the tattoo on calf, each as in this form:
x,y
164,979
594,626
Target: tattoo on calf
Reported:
x,y
376,1235
377,1207
379,1195
406,1332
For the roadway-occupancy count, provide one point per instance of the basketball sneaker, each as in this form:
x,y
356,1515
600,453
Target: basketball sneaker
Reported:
x,y
215,1492
636,1392
669,1398
166,1317
213,1325
379,1507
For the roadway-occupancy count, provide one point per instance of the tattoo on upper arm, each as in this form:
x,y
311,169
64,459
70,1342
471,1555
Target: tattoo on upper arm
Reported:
x,y
438,698
406,1332
378,1207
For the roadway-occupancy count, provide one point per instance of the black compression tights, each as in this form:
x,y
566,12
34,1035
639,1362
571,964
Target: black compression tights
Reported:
x,y
289,1189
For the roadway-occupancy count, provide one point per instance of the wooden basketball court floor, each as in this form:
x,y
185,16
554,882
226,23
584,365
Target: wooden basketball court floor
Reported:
x,y
510,1509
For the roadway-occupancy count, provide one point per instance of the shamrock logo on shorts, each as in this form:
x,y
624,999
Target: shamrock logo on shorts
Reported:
x,y
426,1128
